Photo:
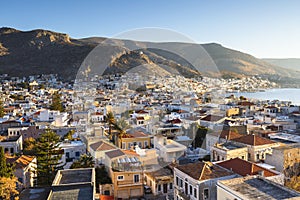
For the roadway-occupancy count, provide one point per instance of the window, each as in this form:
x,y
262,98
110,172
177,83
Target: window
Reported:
x,y
171,186
77,153
195,192
177,181
146,144
136,178
249,155
257,156
181,183
206,193
243,157
120,178
191,189
159,188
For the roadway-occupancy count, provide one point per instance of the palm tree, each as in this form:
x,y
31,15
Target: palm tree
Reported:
x,y
121,127
122,124
110,119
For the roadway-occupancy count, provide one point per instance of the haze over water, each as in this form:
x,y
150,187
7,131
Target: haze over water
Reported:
x,y
282,94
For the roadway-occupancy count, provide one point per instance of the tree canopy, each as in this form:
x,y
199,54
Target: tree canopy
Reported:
x,y
48,156
7,180
56,102
85,161
2,113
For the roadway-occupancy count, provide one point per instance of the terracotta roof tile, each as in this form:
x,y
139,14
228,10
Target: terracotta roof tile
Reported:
x,y
244,168
20,162
141,112
230,135
253,140
102,146
212,118
203,171
115,153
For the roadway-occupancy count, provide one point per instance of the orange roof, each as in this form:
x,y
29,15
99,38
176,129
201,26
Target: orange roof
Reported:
x,y
246,103
137,134
20,162
141,112
230,135
106,197
244,168
130,152
212,118
203,171
253,140
140,118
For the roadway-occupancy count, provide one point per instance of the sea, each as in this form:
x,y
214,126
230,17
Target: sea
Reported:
x,y
281,94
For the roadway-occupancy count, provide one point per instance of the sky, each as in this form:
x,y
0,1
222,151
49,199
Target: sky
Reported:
x,y
262,28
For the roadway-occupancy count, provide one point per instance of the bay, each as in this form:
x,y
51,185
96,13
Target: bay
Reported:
x,y
282,94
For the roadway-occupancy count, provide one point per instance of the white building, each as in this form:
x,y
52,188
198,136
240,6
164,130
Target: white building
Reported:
x,y
168,150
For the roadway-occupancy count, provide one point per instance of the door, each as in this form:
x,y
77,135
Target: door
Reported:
x,y
165,188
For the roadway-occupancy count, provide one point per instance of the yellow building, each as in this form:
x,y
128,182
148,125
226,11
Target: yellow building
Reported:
x,y
130,140
125,171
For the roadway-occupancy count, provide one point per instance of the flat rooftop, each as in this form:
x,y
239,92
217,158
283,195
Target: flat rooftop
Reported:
x,y
253,187
35,193
71,192
228,146
73,176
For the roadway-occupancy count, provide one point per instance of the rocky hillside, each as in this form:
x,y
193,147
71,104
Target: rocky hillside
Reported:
x,y
25,53
288,63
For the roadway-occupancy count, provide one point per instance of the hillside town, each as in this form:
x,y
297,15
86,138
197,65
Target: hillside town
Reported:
x,y
128,136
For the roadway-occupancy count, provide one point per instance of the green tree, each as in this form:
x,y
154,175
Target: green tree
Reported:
x,y
56,102
6,170
110,119
48,156
122,124
85,161
2,113
29,146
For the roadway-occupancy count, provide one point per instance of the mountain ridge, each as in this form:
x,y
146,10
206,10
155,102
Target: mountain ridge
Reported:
x,y
39,51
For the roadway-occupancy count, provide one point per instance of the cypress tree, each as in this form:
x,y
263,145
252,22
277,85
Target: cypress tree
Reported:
x,y
2,113
48,156
3,166
56,102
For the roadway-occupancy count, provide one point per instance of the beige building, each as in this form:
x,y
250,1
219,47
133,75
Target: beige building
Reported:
x,y
98,150
197,181
130,140
227,151
160,181
25,169
125,171
258,147
286,159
